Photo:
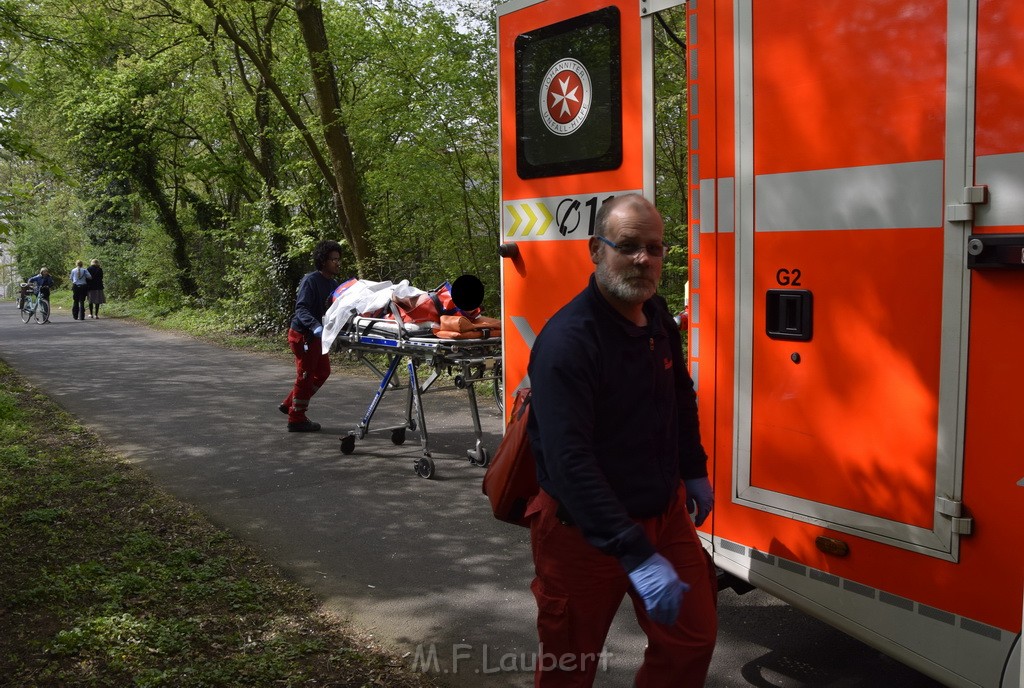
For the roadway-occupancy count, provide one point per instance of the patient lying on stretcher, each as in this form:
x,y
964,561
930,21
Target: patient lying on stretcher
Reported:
x,y
452,311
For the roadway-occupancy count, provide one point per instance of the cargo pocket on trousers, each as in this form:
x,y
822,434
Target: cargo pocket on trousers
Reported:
x,y
552,615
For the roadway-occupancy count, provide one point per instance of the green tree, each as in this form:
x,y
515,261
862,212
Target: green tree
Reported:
x,y
671,149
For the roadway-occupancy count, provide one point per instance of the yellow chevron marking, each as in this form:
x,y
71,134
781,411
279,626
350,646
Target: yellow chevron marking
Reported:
x,y
516,220
528,217
533,218
547,218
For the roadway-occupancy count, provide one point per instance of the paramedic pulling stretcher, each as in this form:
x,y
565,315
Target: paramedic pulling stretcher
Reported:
x,y
453,339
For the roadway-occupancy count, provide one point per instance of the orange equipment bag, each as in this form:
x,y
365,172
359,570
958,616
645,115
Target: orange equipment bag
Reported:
x,y
511,478
461,327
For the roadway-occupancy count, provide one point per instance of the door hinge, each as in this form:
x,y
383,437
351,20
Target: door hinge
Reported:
x,y
654,6
953,509
964,211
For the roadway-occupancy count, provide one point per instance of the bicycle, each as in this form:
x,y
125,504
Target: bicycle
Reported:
x,y
36,305
23,291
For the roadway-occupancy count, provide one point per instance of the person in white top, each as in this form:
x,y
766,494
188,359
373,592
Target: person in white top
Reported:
x,y
79,290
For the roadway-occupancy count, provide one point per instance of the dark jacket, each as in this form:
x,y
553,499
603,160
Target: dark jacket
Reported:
x,y
312,302
614,419
96,279
45,282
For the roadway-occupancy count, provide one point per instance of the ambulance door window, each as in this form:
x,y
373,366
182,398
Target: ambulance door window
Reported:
x,y
569,97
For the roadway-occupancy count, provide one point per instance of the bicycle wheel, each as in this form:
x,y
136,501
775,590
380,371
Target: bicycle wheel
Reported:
x,y
42,312
26,312
499,387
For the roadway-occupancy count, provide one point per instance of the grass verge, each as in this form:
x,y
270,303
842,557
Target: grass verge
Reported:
x,y
105,580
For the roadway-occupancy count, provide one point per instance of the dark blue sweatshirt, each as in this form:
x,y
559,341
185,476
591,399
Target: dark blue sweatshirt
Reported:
x,y
311,303
614,419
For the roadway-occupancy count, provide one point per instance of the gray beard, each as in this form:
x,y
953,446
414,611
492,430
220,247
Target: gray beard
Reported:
x,y
623,286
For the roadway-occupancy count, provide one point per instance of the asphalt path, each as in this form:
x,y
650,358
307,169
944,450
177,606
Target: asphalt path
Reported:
x,y
418,565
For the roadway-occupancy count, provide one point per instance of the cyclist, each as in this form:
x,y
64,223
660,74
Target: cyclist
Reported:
x,y
43,282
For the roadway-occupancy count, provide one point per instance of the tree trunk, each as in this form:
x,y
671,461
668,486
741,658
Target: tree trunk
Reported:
x,y
346,196
264,68
146,175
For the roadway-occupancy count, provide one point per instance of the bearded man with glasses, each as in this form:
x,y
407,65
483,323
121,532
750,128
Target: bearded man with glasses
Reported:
x,y
615,433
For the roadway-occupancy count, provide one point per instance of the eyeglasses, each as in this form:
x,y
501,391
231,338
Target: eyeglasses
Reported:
x,y
633,250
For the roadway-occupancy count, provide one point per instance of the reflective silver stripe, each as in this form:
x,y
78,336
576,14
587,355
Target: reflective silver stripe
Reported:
x,y
515,6
695,309
707,205
556,218
1004,176
522,326
524,329
870,197
721,200
726,205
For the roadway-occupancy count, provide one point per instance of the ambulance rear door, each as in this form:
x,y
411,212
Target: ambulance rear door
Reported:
x,y
574,81
851,215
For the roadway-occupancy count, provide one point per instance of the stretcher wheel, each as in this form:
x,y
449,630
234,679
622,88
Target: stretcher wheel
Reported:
x,y
348,444
425,468
479,458
398,436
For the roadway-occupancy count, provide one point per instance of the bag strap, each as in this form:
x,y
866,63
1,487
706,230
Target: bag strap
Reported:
x,y
441,310
520,404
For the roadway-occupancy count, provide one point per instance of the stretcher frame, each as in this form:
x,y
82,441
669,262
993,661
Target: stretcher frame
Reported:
x,y
469,361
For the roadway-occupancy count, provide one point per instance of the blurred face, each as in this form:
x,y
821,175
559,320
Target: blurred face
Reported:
x,y
631,279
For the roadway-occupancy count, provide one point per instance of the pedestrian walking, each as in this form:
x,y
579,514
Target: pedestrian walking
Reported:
x,y
79,290
95,296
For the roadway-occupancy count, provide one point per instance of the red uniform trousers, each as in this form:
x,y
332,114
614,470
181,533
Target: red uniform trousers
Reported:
x,y
579,590
312,369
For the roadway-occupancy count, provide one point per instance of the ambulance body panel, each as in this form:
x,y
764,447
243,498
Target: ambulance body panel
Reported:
x,y
856,313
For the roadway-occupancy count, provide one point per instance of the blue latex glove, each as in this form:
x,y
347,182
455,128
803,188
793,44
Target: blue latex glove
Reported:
x,y
318,331
660,588
700,498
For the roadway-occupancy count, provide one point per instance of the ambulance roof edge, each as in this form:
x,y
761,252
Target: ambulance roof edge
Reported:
x,y
515,6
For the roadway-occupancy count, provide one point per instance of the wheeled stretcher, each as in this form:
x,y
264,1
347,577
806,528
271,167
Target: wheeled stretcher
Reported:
x,y
468,361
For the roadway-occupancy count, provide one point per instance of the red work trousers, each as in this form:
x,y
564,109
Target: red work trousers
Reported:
x,y
312,369
579,590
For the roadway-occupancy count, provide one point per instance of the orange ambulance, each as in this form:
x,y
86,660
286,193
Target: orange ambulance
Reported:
x,y
856,311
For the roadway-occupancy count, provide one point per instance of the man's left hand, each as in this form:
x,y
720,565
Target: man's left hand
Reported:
x,y
700,498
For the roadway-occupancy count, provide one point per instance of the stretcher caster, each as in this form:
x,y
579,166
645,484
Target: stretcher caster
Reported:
x,y
348,444
480,457
424,468
398,436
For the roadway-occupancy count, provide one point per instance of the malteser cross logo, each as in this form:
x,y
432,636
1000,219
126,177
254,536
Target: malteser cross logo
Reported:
x,y
565,95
